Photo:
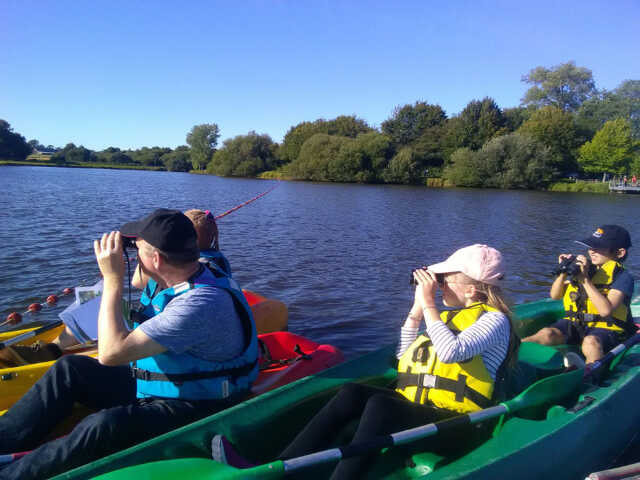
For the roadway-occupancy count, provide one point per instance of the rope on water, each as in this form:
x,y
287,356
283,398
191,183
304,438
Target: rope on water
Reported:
x,y
245,203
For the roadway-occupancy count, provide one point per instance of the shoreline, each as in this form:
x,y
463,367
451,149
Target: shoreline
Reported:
x,y
579,186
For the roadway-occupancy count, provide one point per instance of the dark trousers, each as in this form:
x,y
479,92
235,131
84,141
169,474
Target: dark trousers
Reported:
x,y
122,420
381,411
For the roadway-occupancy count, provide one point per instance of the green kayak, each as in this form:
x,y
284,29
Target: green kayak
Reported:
x,y
562,426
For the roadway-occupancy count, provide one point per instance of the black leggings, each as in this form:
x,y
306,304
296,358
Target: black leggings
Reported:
x,y
381,411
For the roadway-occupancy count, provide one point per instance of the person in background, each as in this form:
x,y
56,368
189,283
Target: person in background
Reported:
x,y
207,230
596,298
193,352
475,339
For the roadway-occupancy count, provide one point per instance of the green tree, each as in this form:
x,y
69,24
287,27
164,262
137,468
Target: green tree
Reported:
x,y
555,128
610,151
13,146
179,160
409,122
315,156
345,126
623,102
478,122
404,168
516,161
564,86
203,140
515,117
464,169
244,156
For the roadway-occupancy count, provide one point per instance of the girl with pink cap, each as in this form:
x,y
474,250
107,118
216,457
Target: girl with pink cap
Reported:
x,y
456,366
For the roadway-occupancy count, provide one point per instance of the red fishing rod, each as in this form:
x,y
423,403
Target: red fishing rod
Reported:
x,y
245,203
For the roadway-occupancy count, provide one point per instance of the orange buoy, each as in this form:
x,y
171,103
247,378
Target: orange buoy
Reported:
x,y
14,318
52,299
67,291
34,307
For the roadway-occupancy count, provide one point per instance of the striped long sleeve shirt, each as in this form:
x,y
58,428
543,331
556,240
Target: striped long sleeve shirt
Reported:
x,y
488,336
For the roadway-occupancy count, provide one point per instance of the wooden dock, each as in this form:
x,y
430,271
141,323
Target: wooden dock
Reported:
x,y
620,187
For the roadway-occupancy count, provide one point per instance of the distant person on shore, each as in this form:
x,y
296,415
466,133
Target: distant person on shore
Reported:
x,y
634,180
193,353
475,340
596,291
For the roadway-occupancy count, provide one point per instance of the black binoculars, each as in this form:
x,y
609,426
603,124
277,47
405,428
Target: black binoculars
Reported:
x,y
439,277
129,243
568,266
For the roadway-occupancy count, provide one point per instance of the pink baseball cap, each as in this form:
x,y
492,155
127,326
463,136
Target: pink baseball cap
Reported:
x,y
480,262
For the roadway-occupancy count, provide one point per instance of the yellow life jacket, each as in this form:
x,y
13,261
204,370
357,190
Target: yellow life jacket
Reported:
x,y
462,387
580,309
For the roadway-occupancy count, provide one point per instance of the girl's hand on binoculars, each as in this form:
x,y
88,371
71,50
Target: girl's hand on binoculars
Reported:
x,y
426,288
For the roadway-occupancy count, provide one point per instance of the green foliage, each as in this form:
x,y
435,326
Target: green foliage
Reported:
x,y
151,157
610,151
480,121
464,169
556,129
244,156
178,160
409,122
316,154
72,154
345,126
404,168
623,102
13,146
564,86
515,117
335,158
579,186
203,140
508,161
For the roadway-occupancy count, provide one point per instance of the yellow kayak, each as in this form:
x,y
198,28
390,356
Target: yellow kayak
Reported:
x,y
270,316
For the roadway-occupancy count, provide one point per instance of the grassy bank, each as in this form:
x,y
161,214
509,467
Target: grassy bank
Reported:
x,y
43,161
579,186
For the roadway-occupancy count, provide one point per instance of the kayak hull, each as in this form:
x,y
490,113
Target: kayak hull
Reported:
x,y
547,441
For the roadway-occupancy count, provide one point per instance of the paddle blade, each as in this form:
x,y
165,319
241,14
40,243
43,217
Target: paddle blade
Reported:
x,y
200,468
546,390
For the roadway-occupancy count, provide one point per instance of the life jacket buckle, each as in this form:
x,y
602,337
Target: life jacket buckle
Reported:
x,y
427,381
139,374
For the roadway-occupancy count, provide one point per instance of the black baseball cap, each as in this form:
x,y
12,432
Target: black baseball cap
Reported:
x,y
168,230
610,237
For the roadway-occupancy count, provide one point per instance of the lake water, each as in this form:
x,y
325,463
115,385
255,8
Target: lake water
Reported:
x,y
339,255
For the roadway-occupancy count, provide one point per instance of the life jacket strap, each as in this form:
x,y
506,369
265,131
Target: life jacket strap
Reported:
x,y
458,387
179,378
268,362
584,319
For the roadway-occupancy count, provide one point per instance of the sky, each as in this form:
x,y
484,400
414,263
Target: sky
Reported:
x,y
140,73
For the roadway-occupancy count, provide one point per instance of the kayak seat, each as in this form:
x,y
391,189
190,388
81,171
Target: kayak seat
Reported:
x,y
534,362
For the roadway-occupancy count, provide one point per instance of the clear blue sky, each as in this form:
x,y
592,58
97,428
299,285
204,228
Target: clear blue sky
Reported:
x,y
141,73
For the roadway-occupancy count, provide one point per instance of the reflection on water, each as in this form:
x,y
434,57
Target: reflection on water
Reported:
x,y
338,255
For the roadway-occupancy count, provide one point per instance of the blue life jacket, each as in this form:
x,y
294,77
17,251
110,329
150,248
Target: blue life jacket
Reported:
x,y
216,257
181,375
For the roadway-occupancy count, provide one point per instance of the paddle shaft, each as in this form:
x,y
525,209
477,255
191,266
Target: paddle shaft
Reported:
x,y
393,439
32,333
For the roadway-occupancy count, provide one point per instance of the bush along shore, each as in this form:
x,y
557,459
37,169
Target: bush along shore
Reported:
x,y
564,128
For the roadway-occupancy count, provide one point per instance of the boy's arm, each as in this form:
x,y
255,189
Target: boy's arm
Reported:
x,y
604,305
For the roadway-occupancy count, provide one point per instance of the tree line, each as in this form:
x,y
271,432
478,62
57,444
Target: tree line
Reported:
x,y
565,126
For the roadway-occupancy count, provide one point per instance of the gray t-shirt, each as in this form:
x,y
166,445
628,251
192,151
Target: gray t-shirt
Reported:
x,y
202,322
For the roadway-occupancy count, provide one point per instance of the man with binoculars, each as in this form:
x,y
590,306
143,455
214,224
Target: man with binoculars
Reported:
x,y
596,292
193,351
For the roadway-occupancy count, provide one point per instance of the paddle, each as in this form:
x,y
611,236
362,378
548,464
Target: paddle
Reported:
x,y
32,333
593,367
543,391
